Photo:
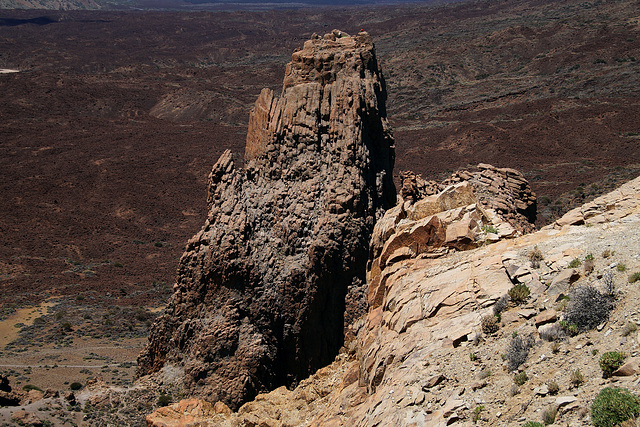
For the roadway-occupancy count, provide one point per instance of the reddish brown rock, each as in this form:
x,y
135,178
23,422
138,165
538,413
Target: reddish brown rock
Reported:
x,y
265,288
545,317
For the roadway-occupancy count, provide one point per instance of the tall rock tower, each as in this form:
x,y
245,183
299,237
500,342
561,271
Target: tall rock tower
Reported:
x,y
264,289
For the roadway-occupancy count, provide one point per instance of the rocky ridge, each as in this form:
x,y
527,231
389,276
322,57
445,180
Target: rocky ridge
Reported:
x,y
420,357
265,288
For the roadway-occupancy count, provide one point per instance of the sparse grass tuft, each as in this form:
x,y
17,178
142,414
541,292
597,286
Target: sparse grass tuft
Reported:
x,y
553,387
535,256
477,412
634,277
520,378
576,378
549,415
621,267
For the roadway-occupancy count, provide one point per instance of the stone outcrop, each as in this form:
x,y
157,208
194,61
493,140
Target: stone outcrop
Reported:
x,y
265,288
420,356
466,211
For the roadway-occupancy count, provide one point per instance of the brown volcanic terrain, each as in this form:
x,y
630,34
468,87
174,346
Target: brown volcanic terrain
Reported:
x,y
110,129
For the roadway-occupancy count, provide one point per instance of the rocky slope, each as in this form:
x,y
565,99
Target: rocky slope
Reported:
x,y
265,288
422,357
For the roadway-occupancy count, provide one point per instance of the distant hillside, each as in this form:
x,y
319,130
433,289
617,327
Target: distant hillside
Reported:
x,y
50,4
212,5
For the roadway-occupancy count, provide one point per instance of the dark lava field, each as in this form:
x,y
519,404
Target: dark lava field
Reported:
x,y
111,126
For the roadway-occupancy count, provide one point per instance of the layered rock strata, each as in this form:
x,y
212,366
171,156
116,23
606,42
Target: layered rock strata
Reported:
x,y
469,209
421,357
264,289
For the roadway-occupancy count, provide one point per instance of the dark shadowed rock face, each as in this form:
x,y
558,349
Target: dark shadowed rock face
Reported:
x,y
264,289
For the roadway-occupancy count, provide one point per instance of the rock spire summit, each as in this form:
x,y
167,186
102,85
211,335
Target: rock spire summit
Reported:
x,y
264,289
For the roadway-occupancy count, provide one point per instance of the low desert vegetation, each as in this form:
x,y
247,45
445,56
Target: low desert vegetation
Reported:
x,y
613,406
629,328
553,387
477,412
490,324
575,263
535,256
587,308
576,378
518,350
610,361
519,293
634,277
520,378
501,305
549,415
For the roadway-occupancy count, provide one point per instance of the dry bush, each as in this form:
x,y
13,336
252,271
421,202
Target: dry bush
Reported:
x,y
535,256
490,324
518,350
587,308
501,304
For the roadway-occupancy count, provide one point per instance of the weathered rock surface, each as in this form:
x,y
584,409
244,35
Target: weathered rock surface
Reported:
x,y
465,211
420,357
265,288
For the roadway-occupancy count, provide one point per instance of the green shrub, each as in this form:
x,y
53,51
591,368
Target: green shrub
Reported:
x,y
634,277
621,267
29,387
613,406
589,257
575,263
519,293
607,253
520,378
587,308
75,386
476,413
532,424
489,229
570,329
164,400
610,361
